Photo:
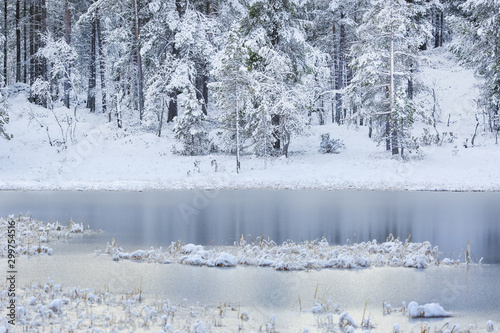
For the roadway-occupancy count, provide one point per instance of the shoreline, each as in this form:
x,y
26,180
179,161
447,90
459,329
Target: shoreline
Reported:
x,y
146,186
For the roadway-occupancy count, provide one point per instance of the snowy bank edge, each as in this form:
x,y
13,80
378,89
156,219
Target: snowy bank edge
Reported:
x,y
233,184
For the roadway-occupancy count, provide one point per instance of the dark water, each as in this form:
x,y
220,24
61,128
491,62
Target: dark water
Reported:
x,y
446,219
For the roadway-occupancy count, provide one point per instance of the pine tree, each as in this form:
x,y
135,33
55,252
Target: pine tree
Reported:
x,y
4,118
232,88
477,44
384,59
191,127
277,49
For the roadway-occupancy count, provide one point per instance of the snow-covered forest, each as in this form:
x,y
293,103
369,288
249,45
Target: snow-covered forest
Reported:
x,y
250,77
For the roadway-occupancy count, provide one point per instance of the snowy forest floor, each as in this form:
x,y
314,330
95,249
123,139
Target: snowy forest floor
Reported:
x,y
102,157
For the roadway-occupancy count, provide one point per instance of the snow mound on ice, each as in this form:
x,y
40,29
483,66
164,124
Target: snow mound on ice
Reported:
x,y
430,310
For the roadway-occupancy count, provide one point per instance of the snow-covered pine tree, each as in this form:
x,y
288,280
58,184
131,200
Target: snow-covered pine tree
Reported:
x,y
282,102
61,56
176,52
4,117
277,50
384,60
477,43
191,127
233,90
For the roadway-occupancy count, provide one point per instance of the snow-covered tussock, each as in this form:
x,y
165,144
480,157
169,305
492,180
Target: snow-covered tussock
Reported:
x,y
31,234
292,256
50,307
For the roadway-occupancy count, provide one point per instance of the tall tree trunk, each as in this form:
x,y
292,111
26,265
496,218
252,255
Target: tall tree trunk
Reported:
x,y
25,48
394,133
67,38
180,6
339,70
5,42
38,65
92,69
101,65
44,73
201,84
275,121
139,63
160,120
18,41
32,43
172,106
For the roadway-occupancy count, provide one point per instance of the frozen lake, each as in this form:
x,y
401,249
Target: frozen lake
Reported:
x,y
446,219
144,219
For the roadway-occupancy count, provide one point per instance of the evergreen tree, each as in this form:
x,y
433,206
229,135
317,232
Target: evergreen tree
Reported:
x,y
191,127
4,117
232,89
477,43
384,60
277,49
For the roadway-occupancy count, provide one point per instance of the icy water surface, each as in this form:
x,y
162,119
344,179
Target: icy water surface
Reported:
x,y
140,220
471,292
446,219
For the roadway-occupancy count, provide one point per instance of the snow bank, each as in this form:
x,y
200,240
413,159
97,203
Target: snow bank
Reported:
x,y
103,157
290,256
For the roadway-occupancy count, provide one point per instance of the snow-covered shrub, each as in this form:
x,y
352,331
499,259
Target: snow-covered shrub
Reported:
x,y
191,129
428,138
330,146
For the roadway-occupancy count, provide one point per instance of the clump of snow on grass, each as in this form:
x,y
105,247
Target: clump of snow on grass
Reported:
x,y
346,320
31,234
49,307
430,310
290,256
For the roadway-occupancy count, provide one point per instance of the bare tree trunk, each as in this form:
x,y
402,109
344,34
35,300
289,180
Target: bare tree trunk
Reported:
x,y
237,125
388,133
32,44
18,41
92,69
5,42
202,85
119,97
394,133
395,140
162,112
101,65
339,70
172,106
475,132
275,121
43,29
139,63
67,38
25,38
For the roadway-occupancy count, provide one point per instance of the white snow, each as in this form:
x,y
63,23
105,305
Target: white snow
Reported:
x,y
430,310
290,256
30,233
101,157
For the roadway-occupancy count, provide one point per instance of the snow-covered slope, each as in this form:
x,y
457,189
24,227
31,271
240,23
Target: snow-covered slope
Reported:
x,y
104,158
